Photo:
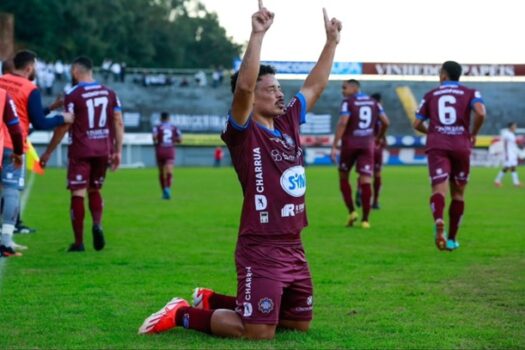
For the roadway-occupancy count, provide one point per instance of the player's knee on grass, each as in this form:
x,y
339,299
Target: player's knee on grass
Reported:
x,y
259,331
302,326
226,323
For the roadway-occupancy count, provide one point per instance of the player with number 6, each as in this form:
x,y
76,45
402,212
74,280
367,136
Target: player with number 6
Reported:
x,y
450,138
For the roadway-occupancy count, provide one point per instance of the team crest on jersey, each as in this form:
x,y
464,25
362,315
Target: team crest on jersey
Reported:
x,y
265,305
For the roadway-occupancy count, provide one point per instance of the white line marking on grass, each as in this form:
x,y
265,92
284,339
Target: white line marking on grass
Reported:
x,y
23,202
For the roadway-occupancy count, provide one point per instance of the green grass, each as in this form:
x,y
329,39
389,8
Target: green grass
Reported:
x,y
387,287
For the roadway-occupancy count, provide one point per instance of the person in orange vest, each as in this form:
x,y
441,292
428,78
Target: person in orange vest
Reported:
x,y
28,103
9,120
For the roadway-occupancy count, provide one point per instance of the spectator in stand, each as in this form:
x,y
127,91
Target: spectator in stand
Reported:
x,y
216,77
49,79
200,78
116,69
123,67
106,69
218,155
59,70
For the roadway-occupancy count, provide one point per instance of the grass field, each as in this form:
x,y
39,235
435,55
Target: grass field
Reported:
x,y
387,287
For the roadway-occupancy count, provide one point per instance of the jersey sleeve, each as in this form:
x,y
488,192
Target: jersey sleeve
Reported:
x,y
422,111
69,104
296,110
476,98
234,134
10,114
344,109
380,109
118,105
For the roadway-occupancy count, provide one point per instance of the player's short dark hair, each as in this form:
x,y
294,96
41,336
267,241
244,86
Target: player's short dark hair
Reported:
x,y
376,96
264,69
24,58
511,124
84,62
453,70
353,82
164,116
7,66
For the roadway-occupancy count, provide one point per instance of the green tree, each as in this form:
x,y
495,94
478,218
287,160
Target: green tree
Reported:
x,y
148,33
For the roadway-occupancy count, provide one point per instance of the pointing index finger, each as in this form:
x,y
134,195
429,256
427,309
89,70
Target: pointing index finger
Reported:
x,y
260,5
326,19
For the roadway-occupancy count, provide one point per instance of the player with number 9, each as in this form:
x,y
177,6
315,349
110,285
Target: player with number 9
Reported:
x,y
95,140
448,110
359,115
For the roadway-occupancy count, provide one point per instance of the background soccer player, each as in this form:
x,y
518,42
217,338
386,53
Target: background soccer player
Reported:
x,y
26,96
378,161
450,139
165,136
510,152
96,141
358,118
274,283
9,121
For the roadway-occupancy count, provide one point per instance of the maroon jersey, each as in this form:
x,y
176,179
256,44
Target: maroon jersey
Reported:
x,y
270,168
91,134
166,135
363,113
448,109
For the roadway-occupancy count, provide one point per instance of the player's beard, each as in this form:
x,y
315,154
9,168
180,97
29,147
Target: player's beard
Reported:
x,y
32,75
73,81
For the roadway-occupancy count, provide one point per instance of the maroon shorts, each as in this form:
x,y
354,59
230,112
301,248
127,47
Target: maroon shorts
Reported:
x,y
446,165
165,156
362,157
86,172
273,284
378,159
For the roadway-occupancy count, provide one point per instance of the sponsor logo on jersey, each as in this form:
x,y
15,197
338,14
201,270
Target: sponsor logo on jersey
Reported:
x,y
288,210
263,217
260,202
292,210
293,181
258,170
276,155
265,305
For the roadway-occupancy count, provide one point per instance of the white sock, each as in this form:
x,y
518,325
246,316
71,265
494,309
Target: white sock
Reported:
x,y
515,178
7,234
500,176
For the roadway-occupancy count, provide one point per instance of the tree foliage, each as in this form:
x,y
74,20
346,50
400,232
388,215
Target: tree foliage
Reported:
x,y
146,33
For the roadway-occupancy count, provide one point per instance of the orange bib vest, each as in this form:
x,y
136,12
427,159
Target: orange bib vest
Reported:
x,y
19,89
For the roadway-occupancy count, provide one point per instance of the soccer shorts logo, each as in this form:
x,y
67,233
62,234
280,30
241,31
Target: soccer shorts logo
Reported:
x,y
186,321
248,309
265,305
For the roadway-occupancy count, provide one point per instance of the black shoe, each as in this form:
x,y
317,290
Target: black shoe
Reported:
x,y
358,198
376,206
23,229
98,237
76,248
6,252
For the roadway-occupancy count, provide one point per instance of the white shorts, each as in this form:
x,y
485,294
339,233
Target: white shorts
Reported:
x,y
511,160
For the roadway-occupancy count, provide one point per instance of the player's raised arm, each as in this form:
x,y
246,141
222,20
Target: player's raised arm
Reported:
x,y
243,95
318,77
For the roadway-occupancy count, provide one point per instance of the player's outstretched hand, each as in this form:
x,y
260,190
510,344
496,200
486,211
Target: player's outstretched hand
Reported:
x,y
44,158
115,161
333,28
262,19
17,160
68,117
